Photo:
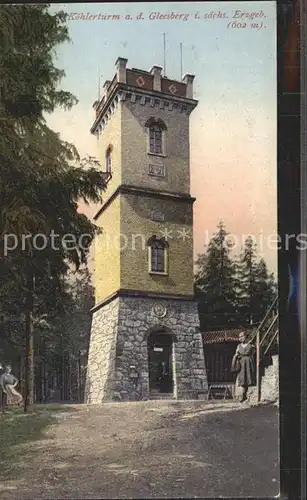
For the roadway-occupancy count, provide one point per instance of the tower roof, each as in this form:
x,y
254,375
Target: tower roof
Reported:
x,y
151,83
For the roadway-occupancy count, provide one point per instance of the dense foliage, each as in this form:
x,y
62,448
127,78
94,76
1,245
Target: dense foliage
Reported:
x,y
41,177
232,291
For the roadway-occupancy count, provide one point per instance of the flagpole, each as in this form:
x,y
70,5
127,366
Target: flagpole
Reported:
x,y
180,61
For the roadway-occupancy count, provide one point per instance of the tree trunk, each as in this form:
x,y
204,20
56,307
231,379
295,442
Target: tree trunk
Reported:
x,y
37,375
45,375
29,368
62,370
69,375
79,375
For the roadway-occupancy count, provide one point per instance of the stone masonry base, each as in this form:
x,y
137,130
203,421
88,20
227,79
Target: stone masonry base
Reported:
x,y
269,391
119,334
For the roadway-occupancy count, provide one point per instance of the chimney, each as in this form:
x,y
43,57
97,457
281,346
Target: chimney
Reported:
x,y
120,65
156,72
188,80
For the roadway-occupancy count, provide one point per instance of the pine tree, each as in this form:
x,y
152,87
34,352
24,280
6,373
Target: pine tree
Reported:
x,y
256,287
215,284
61,330
65,344
245,278
265,289
41,178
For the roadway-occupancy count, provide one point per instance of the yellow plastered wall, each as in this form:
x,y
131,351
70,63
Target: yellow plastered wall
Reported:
x,y
107,253
111,135
106,250
138,228
135,157
121,255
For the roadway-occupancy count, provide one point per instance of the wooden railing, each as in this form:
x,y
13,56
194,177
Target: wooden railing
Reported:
x,y
264,337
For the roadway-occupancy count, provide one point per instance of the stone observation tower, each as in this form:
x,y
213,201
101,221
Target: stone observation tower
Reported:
x,y
145,339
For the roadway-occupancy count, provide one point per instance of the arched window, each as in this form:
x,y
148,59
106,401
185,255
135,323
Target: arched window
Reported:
x,y
156,131
109,159
155,139
157,256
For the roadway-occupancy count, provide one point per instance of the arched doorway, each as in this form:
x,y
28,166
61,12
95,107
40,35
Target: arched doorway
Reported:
x,y
160,366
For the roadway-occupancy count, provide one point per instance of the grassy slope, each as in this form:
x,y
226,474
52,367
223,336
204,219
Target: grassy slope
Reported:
x,y
17,429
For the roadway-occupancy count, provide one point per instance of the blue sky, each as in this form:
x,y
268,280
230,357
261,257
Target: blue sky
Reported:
x,y
233,129
215,54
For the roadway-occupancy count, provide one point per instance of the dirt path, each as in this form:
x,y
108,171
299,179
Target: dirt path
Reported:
x,y
150,449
